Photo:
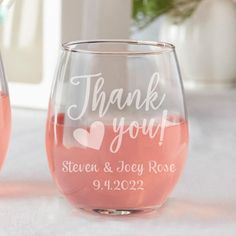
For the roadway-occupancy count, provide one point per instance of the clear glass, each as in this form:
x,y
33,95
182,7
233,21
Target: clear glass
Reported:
x,y
5,115
117,131
5,110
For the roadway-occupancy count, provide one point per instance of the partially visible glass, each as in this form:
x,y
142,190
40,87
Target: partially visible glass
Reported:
x,y
117,130
5,110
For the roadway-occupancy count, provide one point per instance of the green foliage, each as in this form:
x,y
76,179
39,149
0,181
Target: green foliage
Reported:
x,y
145,11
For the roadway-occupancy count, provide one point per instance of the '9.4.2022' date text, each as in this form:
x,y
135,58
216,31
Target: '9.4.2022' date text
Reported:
x,y
118,185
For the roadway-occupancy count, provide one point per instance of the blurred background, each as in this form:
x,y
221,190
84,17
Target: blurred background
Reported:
x,y
31,32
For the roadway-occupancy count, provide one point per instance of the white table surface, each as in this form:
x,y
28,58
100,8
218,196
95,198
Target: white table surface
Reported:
x,y
203,203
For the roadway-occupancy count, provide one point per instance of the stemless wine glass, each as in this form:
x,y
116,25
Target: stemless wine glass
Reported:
x,y
5,115
117,131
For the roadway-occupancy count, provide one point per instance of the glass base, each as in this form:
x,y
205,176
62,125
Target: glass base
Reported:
x,y
121,212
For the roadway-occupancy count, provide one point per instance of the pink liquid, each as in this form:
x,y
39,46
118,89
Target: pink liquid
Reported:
x,y
121,189
5,124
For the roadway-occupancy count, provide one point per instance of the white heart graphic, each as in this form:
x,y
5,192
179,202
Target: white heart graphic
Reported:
x,y
92,139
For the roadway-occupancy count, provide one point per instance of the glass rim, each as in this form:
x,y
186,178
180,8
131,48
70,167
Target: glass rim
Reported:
x,y
161,47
